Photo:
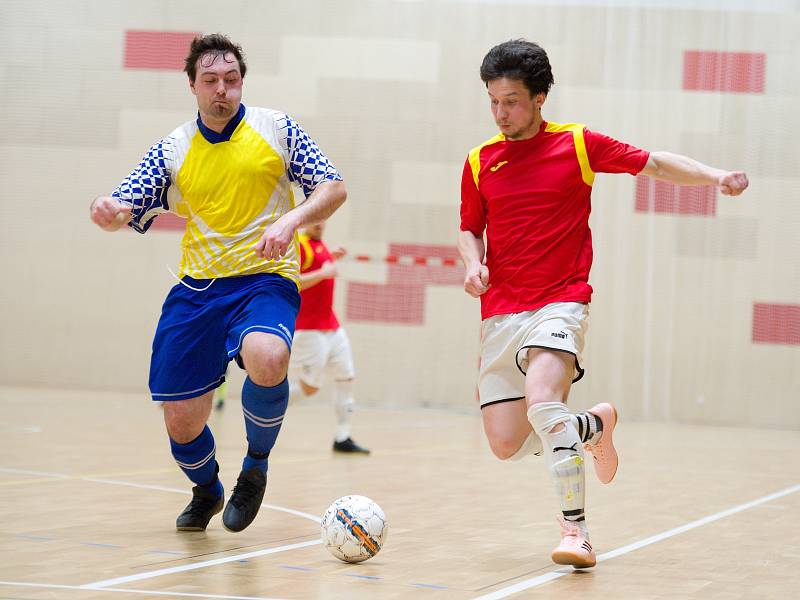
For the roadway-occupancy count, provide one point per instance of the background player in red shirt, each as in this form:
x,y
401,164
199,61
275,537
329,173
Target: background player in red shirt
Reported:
x,y
529,190
319,341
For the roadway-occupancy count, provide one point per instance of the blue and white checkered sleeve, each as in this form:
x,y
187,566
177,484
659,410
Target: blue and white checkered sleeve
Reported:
x,y
145,189
308,166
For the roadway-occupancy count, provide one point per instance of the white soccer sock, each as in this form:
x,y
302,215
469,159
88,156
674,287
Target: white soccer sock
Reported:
x,y
531,445
563,454
296,392
343,406
589,426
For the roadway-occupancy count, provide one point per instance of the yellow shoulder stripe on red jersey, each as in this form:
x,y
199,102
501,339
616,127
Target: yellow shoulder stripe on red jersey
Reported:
x,y
308,251
475,156
580,147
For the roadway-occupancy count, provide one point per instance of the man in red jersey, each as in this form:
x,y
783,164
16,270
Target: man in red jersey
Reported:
x,y
529,190
319,341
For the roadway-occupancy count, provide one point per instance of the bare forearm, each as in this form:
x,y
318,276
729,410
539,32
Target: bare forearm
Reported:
x,y
471,248
311,278
476,274
320,205
681,170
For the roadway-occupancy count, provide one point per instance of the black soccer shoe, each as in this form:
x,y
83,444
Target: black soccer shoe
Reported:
x,y
198,512
245,500
348,446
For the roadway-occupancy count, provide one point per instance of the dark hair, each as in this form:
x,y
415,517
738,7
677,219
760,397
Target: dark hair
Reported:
x,y
521,60
215,43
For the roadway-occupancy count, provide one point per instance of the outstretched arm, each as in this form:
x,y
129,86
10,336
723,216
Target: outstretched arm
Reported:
x,y
472,250
683,170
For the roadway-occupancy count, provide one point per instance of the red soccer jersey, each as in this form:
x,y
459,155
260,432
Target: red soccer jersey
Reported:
x,y
533,198
316,302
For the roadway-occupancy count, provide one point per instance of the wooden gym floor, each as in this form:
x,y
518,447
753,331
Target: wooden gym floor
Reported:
x,y
89,496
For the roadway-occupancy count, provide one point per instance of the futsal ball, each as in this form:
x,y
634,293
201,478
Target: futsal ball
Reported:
x,y
354,528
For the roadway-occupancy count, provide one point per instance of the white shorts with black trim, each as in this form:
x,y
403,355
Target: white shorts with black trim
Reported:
x,y
505,340
314,351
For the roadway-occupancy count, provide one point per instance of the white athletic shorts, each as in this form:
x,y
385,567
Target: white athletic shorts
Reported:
x,y
313,351
505,340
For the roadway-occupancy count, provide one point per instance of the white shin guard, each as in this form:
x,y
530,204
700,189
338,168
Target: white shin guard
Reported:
x,y
563,454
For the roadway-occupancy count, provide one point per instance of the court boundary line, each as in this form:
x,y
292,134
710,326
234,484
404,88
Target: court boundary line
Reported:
x,y
146,486
99,585
496,595
132,591
104,584
36,473
561,572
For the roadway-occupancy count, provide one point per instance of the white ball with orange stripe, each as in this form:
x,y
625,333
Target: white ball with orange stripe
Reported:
x,y
354,528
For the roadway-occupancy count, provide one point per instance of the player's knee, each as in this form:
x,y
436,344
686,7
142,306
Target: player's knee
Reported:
x,y
183,423
266,363
268,373
266,359
504,447
548,418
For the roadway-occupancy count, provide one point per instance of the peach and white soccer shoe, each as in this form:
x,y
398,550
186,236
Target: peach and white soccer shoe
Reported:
x,y
603,452
574,548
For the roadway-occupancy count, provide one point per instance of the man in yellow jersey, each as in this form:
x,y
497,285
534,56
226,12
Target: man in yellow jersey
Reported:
x,y
229,173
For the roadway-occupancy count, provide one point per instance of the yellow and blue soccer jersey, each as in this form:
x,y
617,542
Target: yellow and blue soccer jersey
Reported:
x,y
229,186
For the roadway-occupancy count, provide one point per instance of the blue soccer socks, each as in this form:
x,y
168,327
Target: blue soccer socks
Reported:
x,y
263,409
197,460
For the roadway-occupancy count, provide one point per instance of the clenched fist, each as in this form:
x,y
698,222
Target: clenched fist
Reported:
x,y
109,213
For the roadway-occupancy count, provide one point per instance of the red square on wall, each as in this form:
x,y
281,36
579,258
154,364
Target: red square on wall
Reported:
x,y
739,72
158,50
395,303
776,323
663,197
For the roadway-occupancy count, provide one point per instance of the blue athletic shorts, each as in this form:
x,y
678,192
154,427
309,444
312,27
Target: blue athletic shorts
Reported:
x,y
201,331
